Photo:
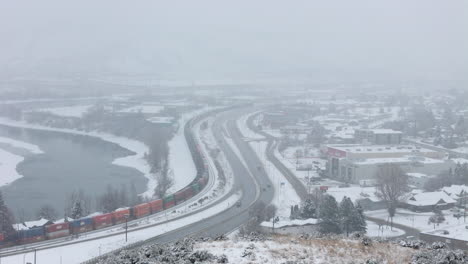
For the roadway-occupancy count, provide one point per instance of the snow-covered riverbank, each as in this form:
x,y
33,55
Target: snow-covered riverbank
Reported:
x,y
180,159
10,161
136,161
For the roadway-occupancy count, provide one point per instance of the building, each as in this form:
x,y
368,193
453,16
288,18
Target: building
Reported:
x,y
428,202
377,136
418,180
355,163
459,193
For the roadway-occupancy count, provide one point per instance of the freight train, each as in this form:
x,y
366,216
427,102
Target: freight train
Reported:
x,y
119,216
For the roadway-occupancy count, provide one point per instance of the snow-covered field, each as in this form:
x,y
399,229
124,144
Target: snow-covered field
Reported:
x,y
145,109
67,111
77,253
374,230
180,160
9,161
292,249
419,221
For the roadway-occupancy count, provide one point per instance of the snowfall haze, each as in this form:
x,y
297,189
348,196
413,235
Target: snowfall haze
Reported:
x,y
226,40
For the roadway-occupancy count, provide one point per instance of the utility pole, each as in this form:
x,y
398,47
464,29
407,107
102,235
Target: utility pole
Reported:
x,y
126,228
35,253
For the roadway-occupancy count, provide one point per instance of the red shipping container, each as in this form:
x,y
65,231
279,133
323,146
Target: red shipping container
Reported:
x,y
58,230
179,197
119,216
156,206
188,193
202,182
142,210
2,237
102,221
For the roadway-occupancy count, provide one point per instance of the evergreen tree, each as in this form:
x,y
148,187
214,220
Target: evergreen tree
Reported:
x,y
47,212
6,218
358,223
77,210
347,214
308,209
329,216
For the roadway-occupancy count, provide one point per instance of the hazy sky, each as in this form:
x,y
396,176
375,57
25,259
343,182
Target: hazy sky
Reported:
x,y
391,39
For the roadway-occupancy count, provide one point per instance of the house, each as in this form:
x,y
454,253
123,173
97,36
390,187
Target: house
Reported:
x,y
428,201
459,193
32,224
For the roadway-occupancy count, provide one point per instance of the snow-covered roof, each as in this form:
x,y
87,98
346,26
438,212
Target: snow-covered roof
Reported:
x,y
354,193
429,198
418,175
405,159
455,190
357,148
381,131
161,119
31,224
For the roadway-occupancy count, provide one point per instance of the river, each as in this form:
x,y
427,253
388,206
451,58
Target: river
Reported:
x,y
69,163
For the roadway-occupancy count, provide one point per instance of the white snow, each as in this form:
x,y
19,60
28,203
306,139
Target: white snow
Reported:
x,y
285,196
145,109
21,144
77,253
10,161
295,222
67,111
181,163
419,221
374,230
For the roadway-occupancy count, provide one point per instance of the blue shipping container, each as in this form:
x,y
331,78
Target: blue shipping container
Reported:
x,y
82,222
34,232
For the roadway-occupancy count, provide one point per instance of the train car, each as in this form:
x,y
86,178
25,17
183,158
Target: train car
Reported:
x,y
57,230
32,235
188,192
81,225
102,221
120,216
156,206
2,239
142,210
195,187
179,197
202,182
169,201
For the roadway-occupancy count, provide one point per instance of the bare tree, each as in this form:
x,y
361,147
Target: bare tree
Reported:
x,y
164,181
392,184
47,212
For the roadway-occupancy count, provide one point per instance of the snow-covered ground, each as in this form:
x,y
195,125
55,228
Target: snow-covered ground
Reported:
x,y
77,253
67,111
136,160
10,161
374,230
293,249
308,158
181,163
246,132
419,221
145,109
285,195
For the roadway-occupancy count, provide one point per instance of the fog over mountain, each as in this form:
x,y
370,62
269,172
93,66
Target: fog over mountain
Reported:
x,y
195,40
